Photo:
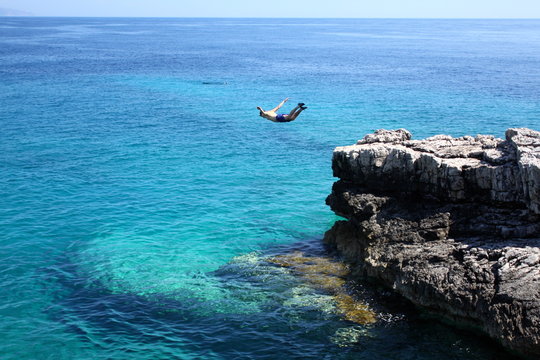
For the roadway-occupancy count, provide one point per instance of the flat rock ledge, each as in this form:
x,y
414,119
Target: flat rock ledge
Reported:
x,y
452,224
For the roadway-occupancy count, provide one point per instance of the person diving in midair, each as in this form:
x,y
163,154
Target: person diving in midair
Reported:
x,y
272,115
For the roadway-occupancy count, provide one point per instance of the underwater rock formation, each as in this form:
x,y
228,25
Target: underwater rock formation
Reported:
x,y
329,276
452,224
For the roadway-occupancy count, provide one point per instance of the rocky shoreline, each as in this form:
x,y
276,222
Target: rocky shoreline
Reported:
x,y
452,224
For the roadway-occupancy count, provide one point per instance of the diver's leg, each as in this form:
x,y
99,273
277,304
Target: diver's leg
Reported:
x,y
295,115
293,111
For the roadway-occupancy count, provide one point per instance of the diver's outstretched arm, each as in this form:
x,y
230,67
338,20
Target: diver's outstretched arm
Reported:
x,y
280,105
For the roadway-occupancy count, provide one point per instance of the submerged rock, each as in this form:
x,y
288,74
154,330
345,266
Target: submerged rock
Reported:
x,y
452,224
329,276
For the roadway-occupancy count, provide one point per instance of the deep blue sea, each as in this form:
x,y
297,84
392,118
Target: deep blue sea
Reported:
x,y
141,194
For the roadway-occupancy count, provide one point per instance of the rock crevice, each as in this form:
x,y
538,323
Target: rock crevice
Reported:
x,y
452,224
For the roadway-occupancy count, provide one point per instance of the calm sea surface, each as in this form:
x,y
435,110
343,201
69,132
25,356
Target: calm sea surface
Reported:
x,y
141,195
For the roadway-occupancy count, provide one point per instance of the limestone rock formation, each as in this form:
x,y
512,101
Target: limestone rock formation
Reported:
x,y
452,224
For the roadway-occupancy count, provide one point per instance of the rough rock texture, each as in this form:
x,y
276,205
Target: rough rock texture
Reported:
x,y
453,224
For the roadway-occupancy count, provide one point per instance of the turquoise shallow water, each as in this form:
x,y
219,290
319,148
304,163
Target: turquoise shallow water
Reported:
x,y
138,204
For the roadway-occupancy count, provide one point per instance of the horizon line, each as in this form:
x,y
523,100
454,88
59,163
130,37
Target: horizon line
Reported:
x,y
267,17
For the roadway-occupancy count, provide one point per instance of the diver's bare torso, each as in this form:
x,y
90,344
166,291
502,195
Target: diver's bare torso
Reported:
x,y
270,115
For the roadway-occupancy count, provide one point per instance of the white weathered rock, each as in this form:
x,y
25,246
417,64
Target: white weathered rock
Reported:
x,y
451,224
482,168
386,136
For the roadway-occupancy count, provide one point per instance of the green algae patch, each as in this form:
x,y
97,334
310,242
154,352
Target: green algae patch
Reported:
x,y
309,264
353,310
327,275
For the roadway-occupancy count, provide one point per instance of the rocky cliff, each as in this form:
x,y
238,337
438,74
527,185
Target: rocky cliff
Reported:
x,y
452,224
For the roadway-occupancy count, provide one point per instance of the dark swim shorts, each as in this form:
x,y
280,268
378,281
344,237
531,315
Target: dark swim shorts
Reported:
x,y
281,118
